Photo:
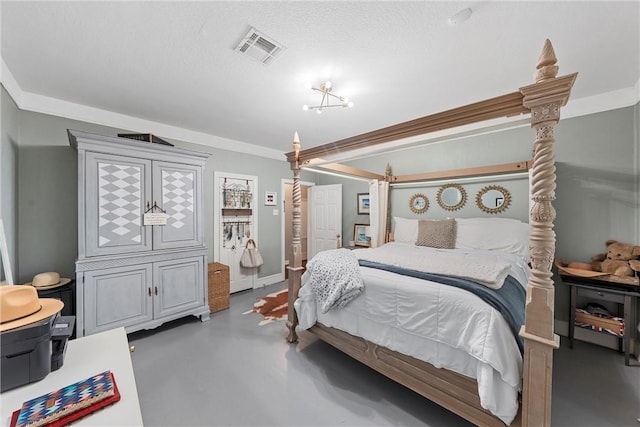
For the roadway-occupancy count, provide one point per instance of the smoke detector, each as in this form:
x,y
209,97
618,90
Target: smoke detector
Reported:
x,y
259,47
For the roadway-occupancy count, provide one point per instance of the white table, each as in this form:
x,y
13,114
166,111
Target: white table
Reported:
x,y
85,357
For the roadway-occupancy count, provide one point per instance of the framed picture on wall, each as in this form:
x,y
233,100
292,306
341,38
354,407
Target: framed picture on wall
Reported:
x,y
363,203
362,235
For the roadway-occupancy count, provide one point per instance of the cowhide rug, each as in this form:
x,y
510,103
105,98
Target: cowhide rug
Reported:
x,y
273,307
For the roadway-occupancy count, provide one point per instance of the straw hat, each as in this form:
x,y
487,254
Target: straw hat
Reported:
x,y
48,280
578,269
20,305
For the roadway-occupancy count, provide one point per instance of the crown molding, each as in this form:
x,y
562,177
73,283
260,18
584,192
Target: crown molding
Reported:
x,y
28,101
602,102
56,107
10,83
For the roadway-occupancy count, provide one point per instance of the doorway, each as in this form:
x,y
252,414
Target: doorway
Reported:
x,y
325,218
235,221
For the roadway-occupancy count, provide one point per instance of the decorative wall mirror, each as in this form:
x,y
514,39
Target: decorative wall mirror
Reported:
x,y
493,199
418,203
451,197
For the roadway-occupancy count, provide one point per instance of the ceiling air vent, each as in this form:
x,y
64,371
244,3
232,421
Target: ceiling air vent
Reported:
x,y
259,47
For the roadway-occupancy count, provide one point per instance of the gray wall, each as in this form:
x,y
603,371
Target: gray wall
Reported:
x,y
597,160
10,125
48,211
47,188
597,166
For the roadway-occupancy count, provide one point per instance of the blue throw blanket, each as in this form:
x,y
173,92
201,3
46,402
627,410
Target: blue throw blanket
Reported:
x,y
509,300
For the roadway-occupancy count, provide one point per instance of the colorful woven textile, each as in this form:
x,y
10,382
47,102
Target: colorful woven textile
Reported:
x,y
62,404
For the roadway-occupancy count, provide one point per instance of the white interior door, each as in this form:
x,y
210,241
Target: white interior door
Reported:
x,y
235,221
325,218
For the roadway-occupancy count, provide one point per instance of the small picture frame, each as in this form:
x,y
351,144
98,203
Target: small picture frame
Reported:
x,y
270,198
363,203
362,235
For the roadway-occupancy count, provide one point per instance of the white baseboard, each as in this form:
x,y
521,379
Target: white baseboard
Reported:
x,y
269,280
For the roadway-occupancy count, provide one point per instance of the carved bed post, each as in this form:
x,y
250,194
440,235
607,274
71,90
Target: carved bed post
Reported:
x,y
544,99
295,264
388,178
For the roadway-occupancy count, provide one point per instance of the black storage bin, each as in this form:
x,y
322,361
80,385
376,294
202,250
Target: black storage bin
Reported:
x,y
26,354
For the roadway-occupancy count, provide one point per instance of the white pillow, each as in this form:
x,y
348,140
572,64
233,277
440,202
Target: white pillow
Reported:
x,y
493,234
405,230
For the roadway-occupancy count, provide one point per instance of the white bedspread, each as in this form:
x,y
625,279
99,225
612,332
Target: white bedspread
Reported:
x,y
443,325
487,268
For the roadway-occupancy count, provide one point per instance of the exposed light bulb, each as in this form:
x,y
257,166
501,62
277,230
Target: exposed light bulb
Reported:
x,y
328,99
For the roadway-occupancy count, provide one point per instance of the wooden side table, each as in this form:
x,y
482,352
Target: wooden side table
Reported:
x,y
605,290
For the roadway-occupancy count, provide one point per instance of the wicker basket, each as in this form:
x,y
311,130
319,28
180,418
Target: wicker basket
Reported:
x,y
218,286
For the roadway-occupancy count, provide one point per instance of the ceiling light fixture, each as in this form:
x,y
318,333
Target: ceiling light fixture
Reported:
x,y
327,97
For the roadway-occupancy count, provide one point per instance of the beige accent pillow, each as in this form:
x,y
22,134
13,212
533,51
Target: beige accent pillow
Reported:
x,y
437,233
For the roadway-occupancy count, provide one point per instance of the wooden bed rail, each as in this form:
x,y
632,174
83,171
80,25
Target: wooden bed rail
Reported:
x,y
502,106
543,99
500,169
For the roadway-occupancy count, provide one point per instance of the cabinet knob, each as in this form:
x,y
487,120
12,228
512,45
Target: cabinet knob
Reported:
x,y
149,291
600,294
156,290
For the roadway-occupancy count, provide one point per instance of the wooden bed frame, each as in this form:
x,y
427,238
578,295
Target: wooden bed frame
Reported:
x,y
542,100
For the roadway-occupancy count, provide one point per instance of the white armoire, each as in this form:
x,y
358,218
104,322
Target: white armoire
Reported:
x,y
128,273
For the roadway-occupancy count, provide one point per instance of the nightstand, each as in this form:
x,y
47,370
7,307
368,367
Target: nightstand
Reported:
x,y
623,294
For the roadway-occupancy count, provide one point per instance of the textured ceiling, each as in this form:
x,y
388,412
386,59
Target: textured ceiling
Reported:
x,y
174,63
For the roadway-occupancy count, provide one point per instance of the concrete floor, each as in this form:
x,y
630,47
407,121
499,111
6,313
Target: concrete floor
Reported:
x,y
230,371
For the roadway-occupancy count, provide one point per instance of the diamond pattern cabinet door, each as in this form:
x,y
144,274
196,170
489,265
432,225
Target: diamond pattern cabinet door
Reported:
x,y
117,189
176,189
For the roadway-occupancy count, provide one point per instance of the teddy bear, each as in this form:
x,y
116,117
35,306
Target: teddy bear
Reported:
x,y
621,259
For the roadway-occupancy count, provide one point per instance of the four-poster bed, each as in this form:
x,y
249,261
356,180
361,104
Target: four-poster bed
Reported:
x,y
456,392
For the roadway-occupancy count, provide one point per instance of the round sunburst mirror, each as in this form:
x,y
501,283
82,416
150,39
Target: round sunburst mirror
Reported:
x,y
451,197
493,199
418,203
